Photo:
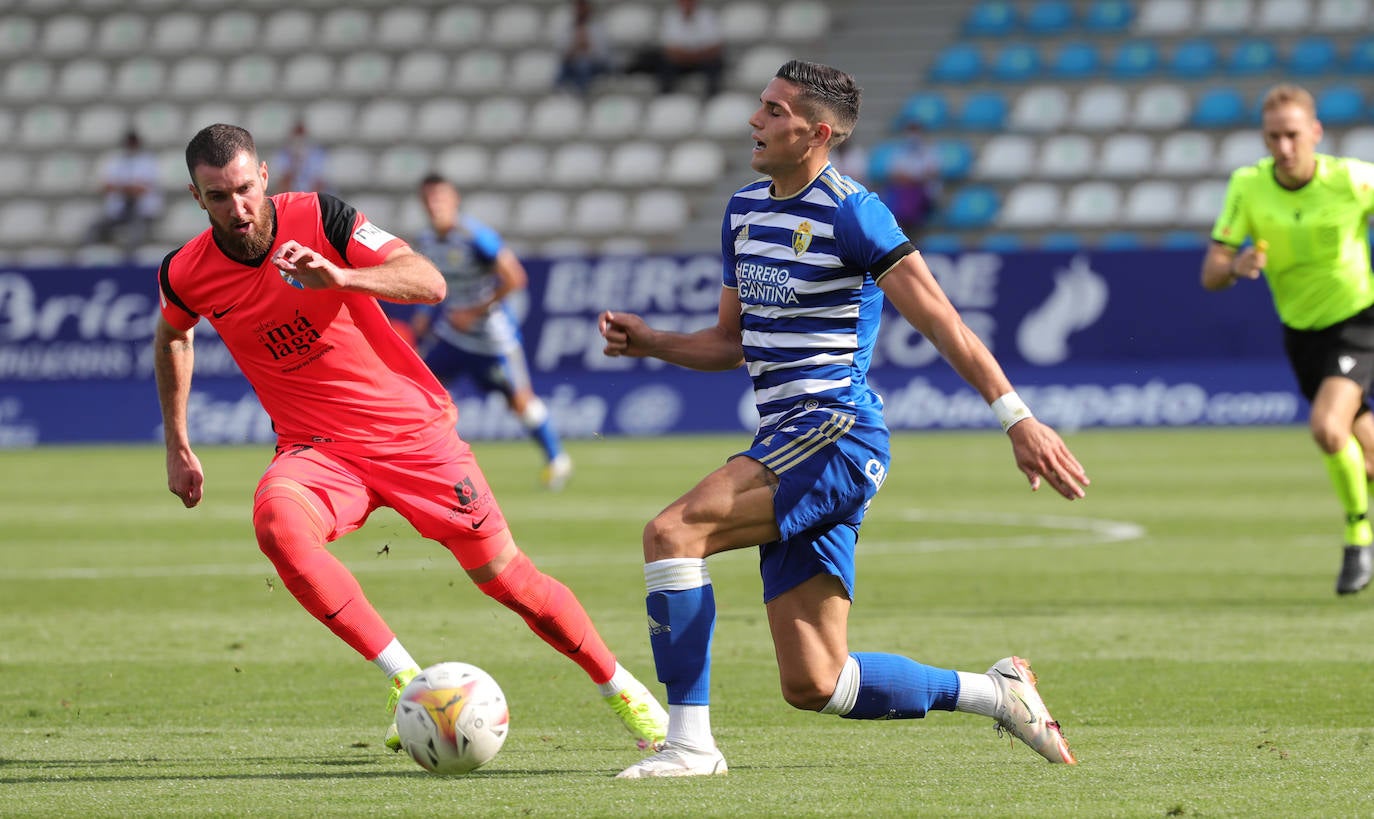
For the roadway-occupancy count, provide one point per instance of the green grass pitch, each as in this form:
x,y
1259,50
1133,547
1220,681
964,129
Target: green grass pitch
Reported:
x,y
1182,619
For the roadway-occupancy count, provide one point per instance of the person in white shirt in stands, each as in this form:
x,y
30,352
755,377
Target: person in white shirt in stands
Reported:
x,y
131,194
692,43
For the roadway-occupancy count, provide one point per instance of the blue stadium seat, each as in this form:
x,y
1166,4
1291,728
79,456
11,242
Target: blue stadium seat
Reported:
x,y
929,108
1195,59
1361,57
1120,240
1002,243
1016,62
958,63
880,161
1312,56
991,18
1075,60
1049,17
1135,58
1252,56
1108,16
1220,107
1340,105
941,243
971,207
955,157
983,111
1062,241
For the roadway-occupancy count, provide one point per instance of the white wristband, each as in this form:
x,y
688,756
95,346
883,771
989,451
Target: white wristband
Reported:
x,y
1010,410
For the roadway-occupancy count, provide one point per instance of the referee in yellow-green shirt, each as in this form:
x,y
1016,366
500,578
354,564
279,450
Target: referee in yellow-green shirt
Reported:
x,y
1307,216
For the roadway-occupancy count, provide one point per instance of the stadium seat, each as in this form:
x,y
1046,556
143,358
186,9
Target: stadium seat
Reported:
x,y
1252,56
742,21
991,18
955,158
1092,204
1341,105
121,34
533,70
877,164
929,108
1015,62
599,213
694,162
343,30
100,125
498,119
1006,156
621,246
1101,108
1120,240
330,121
66,35
1361,57
1358,142
493,209
1108,16
349,167
1227,16
1166,17
249,75
380,209
478,71
802,21
401,167
613,116
983,111
1343,15
1076,60
1160,107
635,164
1049,18
1001,243
29,80
1153,203
422,72
1285,15
1203,203
556,117
22,219
1066,156
232,32
1042,108
629,25
519,166
672,116
441,119
1183,240
466,165
1312,56
576,165
944,243
727,114
18,36
957,63
1241,147
363,74
1030,205
1061,241
1219,107
1195,59
82,79
384,121
1133,59
659,211
139,78
971,207
270,121
402,28
307,75
757,66
180,221
1186,154
458,26
285,30
61,172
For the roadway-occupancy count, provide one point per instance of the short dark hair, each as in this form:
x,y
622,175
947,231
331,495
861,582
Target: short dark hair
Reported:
x,y
433,178
827,94
217,145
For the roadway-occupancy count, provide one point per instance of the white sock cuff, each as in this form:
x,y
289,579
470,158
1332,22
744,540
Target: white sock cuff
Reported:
x,y
846,689
977,694
394,659
676,574
535,414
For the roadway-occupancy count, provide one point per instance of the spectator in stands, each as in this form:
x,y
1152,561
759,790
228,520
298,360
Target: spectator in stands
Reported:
x,y
132,195
584,48
690,42
1308,216
300,164
912,185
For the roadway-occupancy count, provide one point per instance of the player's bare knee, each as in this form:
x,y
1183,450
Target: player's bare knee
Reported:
x,y
663,539
808,694
1330,438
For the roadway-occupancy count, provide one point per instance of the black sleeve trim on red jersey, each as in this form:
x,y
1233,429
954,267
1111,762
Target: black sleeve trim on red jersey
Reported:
x,y
895,255
337,217
165,282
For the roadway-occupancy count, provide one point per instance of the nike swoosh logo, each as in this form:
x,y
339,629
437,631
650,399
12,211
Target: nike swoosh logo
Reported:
x,y
477,524
219,314
336,612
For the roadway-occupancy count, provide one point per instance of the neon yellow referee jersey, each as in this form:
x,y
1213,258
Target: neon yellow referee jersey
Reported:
x,y
1318,257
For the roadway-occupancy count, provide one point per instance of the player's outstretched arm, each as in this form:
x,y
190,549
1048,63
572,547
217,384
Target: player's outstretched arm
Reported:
x,y
406,277
713,348
1223,266
173,363
1039,451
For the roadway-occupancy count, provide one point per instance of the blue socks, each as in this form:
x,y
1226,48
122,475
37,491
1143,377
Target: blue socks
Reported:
x,y
682,619
894,687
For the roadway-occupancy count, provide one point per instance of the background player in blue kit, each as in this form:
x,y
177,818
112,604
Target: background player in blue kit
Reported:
x,y
473,332
809,256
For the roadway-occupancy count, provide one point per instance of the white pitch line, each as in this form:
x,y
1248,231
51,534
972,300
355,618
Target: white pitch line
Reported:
x,y
1078,532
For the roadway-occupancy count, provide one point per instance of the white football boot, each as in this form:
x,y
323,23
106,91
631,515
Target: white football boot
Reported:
x,y
1022,713
677,760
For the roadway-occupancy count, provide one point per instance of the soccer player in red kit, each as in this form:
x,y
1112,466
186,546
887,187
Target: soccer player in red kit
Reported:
x,y
291,282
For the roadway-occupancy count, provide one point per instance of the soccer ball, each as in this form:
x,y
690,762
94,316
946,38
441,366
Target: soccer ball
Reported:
x,y
452,718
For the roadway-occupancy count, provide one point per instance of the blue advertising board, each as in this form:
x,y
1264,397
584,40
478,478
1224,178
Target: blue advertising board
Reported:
x,y
1090,339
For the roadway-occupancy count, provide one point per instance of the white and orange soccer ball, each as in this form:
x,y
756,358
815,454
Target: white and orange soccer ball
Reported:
x,y
452,718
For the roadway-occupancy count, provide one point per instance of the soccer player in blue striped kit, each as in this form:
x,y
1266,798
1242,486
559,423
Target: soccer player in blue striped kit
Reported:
x,y
809,256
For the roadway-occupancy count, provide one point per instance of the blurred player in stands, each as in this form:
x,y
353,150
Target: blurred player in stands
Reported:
x,y
809,256
301,164
291,283
1308,216
473,333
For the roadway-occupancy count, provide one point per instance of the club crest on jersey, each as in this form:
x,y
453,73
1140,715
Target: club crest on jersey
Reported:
x,y
801,238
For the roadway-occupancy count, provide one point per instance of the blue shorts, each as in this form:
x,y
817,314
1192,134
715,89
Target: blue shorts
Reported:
x,y
830,463
506,373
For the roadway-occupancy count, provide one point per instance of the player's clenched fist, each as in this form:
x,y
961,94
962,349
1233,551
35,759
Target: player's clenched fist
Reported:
x,y
625,333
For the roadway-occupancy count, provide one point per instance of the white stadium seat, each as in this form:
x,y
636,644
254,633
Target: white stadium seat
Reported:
x,y
1166,17
1153,203
635,164
491,209
542,214
515,25
1160,107
285,30
1006,156
498,119
383,120
672,116
139,78
458,25
659,211
65,35
743,21
363,74
1040,109
519,166
600,213
349,167
1229,16
1204,203
173,31
614,116
1243,147
101,125
1031,205
29,80
249,75
233,32
442,119
308,76
478,71
1125,156
344,29
401,167
195,77
694,163
727,114
577,164
422,72
1092,204
465,165
121,34
1066,156
557,117
1101,108
1186,153
83,79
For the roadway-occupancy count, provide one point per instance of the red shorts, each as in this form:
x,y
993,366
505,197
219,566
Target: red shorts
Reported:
x,y
439,489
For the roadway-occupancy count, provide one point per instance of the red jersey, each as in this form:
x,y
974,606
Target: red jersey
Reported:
x,y
326,364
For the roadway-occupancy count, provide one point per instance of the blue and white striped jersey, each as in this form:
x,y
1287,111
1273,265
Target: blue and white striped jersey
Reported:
x,y
465,256
805,269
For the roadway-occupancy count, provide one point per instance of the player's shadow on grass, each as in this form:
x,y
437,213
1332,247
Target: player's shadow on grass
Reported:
x,y
154,769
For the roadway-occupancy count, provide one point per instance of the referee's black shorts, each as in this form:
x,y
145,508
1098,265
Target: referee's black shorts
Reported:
x,y
1344,349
